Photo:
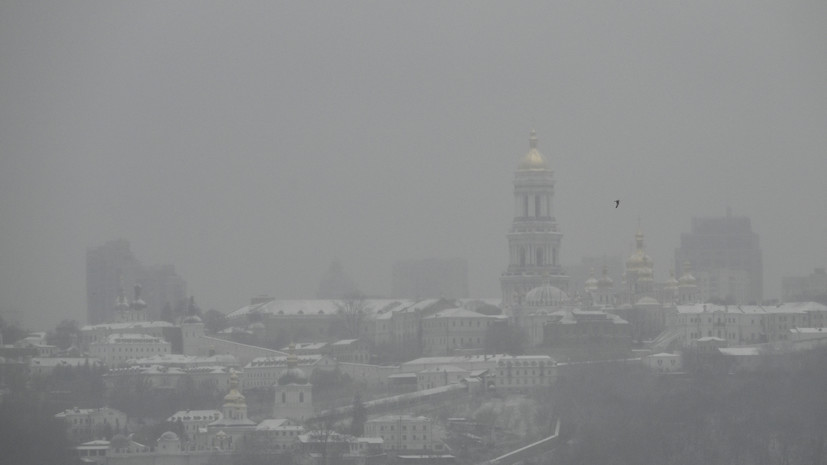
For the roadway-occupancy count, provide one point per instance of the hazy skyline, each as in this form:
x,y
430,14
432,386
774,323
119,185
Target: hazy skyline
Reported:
x,y
250,144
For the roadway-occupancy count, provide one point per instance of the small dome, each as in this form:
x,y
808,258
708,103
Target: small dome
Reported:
x,y
533,160
169,436
192,319
544,296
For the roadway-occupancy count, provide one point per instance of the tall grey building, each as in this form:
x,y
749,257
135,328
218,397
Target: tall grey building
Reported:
x,y
113,266
430,278
725,257
534,240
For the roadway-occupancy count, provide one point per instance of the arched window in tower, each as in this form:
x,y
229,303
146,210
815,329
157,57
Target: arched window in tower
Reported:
x,y
283,397
525,205
301,397
540,257
554,256
522,256
537,206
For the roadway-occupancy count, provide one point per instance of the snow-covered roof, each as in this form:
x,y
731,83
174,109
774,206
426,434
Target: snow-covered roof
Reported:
x,y
458,359
344,342
663,354
740,351
130,338
463,313
63,361
279,424
259,362
313,307
128,325
306,346
444,368
809,330
403,417
195,415
785,308
187,360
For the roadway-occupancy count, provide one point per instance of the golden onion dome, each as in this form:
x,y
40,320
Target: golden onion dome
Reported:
x,y
234,396
533,161
639,261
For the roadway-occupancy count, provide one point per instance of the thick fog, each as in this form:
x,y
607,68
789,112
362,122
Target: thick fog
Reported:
x,y
249,144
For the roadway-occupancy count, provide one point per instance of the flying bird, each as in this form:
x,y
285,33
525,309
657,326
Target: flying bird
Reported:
x,y
617,203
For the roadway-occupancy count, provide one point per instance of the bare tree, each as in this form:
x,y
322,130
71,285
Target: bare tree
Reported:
x,y
353,311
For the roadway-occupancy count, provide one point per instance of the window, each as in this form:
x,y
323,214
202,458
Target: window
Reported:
x,y
539,257
537,205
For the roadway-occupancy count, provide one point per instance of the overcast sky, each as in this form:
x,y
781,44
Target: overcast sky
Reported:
x,y
251,143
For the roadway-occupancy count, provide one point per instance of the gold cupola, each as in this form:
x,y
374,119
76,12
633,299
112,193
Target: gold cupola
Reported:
x,y
533,160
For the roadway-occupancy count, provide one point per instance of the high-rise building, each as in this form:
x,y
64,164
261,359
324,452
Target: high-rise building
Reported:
x,y
725,257
109,268
534,240
430,278
112,267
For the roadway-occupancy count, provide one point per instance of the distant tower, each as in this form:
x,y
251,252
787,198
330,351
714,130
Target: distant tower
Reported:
x,y
294,396
534,240
138,306
235,405
688,292
639,272
122,309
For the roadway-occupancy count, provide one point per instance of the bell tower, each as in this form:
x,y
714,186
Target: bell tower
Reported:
x,y
534,239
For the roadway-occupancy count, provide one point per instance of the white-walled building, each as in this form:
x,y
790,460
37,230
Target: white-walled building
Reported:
x,y
87,424
456,328
664,362
403,432
118,349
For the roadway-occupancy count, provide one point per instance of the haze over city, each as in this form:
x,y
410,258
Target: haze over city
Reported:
x,y
251,144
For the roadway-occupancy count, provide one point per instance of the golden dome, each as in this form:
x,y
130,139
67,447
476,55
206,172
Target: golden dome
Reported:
x,y
639,261
533,161
234,396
